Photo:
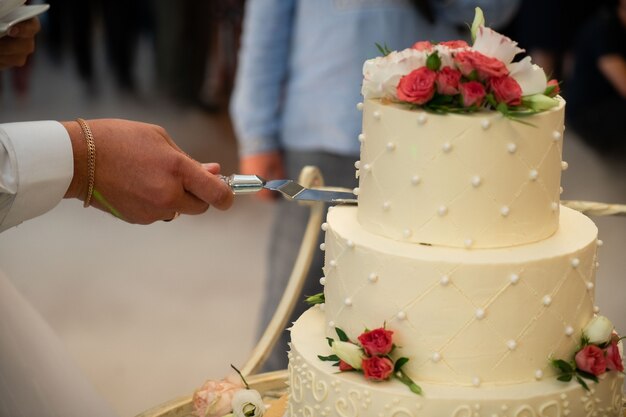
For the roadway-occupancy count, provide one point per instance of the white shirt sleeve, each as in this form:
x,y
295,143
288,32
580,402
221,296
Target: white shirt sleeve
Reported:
x,y
36,168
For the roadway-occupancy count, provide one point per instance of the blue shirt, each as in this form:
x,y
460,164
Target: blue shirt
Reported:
x,y
300,64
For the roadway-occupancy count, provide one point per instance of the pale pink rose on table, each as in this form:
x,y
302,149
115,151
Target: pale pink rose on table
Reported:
x,y
472,93
506,90
468,61
214,398
377,342
418,86
613,358
448,81
377,368
591,359
423,46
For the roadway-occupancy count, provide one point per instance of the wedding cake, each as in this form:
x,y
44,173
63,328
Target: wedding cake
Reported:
x,y
458,286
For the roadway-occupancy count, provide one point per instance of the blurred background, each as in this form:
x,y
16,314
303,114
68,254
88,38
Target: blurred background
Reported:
x,y
149,313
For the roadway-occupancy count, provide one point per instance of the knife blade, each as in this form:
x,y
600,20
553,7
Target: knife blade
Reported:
x,y
247,184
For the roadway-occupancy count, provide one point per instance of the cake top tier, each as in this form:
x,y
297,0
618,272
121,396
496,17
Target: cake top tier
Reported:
x,y
455,77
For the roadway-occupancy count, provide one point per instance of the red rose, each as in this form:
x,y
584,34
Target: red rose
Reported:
x,y
468,61
418,86
455,44
553,87
506,90
472,93
448,81
613,358
377,368
377,342
591,359
343,366
423,46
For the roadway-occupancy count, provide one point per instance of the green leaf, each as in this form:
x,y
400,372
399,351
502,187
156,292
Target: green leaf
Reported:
x,y
565,377
491,100
562,365
587,375
404,378
330,341
433,62
342,335
583,383
399,364
329,358
384,50
315,299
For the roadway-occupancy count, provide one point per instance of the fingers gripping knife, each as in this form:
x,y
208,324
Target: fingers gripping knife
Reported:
x,y
247,184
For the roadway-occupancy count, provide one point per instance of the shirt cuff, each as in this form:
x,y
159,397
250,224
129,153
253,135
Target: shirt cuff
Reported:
x,y
43,164
255,146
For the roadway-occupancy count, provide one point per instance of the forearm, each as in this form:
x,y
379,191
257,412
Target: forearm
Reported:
x,y
613,67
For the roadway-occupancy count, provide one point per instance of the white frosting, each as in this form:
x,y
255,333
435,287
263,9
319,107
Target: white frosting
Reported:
x,y
524,293
316,388
472,171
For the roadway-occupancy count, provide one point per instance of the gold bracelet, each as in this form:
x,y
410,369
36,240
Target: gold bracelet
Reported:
x,y
91,159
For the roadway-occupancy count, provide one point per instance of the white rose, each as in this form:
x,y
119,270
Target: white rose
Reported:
x,y
598,330
381,75
349,353
248,403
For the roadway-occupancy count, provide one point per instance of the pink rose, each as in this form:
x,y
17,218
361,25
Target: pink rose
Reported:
x,y
423,46
553,87
448,81
377,368
377,341
344,366
214,398
613,358
468,61
591,359
454,44
418,86
506,90
472,93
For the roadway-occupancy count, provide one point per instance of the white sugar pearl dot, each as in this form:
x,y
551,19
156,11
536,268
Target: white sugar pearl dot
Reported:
x,y
569,330
442,210
332,263
446,147
323,246
401,315
357,164
575,262
436,357
554,206
511,344
504,211
324,226
348,301
415,179
362,137
376,115
407,233
356,191
359,106
538,374
386,205
533,174
599,242
511,147
367,167
421,118
444,280
479,313
485,124
391,146
597,264
556,135
372,277
468,243
590,285
350,244
564,166
323,280
547,300
331,324
514,278
476,181
476,381
596,309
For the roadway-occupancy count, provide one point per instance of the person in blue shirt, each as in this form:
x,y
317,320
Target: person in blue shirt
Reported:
x,y
296,90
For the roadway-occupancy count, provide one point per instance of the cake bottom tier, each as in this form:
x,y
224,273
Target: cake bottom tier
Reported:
x,y
316,388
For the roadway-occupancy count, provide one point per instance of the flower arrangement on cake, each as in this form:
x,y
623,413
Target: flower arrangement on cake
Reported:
x,y
455,77
598,353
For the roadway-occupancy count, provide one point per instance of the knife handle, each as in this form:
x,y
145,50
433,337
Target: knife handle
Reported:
x,y
244,184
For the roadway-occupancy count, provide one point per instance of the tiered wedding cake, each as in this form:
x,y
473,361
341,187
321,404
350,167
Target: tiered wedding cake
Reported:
x,y
458,246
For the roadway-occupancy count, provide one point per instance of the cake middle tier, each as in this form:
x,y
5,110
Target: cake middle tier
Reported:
x,y
496,315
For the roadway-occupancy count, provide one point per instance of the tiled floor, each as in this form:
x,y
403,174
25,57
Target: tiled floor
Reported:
x,y
150,312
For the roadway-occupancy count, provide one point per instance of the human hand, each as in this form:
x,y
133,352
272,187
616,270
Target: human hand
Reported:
x,y
19,43
142,175
268,165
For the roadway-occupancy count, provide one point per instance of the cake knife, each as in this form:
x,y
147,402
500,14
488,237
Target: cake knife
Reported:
x,y
248,184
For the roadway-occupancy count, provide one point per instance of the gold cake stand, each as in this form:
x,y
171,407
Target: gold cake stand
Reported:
x,y
272,385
